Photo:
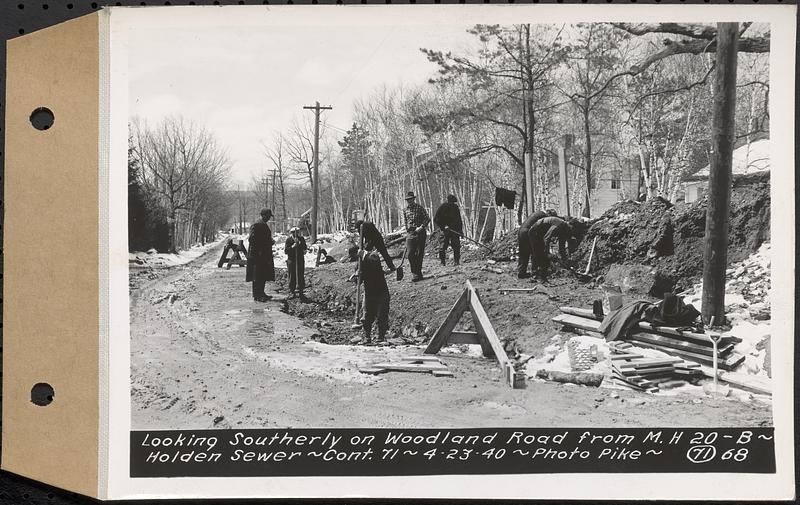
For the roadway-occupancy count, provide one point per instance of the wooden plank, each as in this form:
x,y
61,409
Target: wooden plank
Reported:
x,y
616,357
410,367
683,345
486,347
421,358
442,373
691,336
646,371
650,363
729,363
577,322
456,311
463,337
485,326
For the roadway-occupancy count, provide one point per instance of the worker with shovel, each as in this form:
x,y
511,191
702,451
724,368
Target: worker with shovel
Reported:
x,y
376,296
416,219
542,233
374,240
295,250
525,242
448,219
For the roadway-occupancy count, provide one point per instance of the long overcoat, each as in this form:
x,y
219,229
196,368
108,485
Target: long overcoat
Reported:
x,y
260,262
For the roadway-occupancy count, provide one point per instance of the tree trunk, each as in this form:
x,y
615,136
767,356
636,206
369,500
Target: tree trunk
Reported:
x,y
587,135
719,182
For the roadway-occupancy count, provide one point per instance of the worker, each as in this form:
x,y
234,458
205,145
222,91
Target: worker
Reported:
x,y
260,261
524,242
376,295
448,219
295,249
541,234
374,240
416,219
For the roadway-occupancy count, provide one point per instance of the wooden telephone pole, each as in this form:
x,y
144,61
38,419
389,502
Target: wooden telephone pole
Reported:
x,y
715,256
315,201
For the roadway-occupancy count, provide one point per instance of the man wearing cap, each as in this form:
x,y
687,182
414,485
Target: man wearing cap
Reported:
x,y
260,263
374,240
376,295
295,250
525,242
448,219
416,219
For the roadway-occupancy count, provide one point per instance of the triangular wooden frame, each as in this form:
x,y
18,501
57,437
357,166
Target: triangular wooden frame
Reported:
x,y
239,255
484,335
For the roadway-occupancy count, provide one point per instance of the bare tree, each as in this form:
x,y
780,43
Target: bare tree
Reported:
x,y
181,163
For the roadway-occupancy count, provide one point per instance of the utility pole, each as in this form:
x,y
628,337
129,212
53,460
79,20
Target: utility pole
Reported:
x,y
566,143
527,114
315,201
715,256
274,201
266,192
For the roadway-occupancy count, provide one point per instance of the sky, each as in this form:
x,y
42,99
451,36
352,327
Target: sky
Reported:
x,y
244,83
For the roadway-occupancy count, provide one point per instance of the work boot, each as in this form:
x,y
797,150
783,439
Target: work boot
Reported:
x,y
367,337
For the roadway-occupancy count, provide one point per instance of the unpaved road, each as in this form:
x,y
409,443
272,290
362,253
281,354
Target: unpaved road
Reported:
x,y
204,355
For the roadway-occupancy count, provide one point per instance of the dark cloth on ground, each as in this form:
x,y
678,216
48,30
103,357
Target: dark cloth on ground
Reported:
x,y
505,197
618,323
260,262
672,311
376,295
296,263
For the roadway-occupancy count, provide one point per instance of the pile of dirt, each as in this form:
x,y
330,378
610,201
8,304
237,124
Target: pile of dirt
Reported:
x,y
670,238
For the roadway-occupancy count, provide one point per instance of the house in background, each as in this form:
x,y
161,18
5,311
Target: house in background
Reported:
x,y
620,182
747,159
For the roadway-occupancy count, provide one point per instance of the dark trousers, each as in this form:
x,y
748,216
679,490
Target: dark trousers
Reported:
x,y
415,251
258,287
376,306
524,250
541,259
297,275
448,238
380,245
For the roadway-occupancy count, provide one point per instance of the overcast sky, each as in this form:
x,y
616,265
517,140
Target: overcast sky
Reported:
x,y
244,83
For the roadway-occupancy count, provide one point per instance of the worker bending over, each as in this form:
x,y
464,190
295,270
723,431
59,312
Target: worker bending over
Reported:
x,y
525,242
374,240
541,234
376,296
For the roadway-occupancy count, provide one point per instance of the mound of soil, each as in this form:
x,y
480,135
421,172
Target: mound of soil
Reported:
x,y
671,238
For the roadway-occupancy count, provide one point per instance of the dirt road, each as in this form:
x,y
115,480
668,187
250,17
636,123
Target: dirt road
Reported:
x,y
204,355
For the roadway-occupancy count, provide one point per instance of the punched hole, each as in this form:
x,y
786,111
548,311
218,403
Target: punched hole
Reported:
x,y
42,394
42,118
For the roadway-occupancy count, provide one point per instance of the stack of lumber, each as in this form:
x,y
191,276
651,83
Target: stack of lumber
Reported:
x,y
692,346
423,364
648,374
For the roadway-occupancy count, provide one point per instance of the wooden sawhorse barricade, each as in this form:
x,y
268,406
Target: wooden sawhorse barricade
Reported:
x,y
484,334
239,255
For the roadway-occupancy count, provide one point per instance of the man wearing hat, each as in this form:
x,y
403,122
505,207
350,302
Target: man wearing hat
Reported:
x,y
416,219
295,250
526,242
448,219
260,263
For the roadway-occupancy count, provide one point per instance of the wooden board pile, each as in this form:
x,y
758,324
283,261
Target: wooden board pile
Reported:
x,y
423,364
648,374
689,345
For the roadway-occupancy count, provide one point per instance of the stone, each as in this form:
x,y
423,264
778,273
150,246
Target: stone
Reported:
x,y
640,280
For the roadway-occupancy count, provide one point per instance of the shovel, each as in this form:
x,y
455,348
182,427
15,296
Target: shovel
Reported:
x,y
471,240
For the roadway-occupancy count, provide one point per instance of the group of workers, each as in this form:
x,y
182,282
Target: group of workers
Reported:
x,y
534,237
261,263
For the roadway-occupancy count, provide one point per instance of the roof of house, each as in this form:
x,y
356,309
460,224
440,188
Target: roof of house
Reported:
x,y
747,159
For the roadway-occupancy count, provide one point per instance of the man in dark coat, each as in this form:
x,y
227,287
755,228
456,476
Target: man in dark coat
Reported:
x,y
448,219
376,296
374,240
260,263
295,249
416,219
541,234
525,241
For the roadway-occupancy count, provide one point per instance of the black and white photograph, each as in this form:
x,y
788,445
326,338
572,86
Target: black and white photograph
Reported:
x,y
456,222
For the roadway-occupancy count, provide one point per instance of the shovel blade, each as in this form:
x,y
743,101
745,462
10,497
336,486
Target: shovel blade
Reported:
x,y
399,273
